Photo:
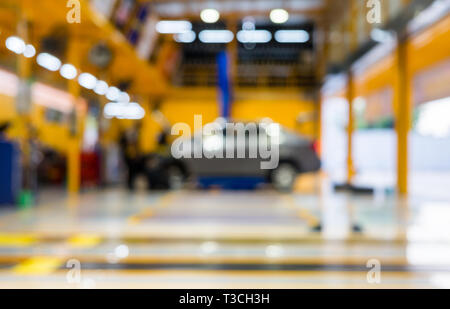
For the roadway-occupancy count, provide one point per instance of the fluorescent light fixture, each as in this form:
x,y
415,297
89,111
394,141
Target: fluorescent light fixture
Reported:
x,y
124,111
381,36
216,36
113,93
87,81
279,16
430,15
186,37
68,71
15,44
101,88
29,51
49,62
254,36
124,97
210,16
173,26
292,36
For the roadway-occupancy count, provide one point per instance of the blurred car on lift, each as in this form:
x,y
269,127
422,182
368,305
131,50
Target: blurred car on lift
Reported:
x,y
297,155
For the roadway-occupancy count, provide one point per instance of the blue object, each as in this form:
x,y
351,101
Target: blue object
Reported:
x,y
223,66
232,183
10,173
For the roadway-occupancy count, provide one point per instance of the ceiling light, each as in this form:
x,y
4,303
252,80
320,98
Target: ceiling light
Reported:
x,y
68,71
292,36
210,16
381,36
216,36
186,37
124,97
279,16
173,26
124,111
113,93
254,36
15,44
29,51
87,81
49,62
101,88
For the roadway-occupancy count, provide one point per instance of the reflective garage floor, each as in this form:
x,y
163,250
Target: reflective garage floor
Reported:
x,y
222,239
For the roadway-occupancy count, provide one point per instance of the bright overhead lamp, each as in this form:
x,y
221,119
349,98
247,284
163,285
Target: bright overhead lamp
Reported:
x,y
381,36
124,97
16,45
124,111
101,88
186,37
113,93
68,71
173,26
216,36
292,36
210,16
29,51
254,36
87,80
49,62
279,16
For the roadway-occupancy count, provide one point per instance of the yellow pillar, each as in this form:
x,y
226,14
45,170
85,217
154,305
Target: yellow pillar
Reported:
x,y
353,32
404,117
74,142
350,126
352,26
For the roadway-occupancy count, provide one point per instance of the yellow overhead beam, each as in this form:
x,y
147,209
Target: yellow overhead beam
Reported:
x,y
46,14
148,80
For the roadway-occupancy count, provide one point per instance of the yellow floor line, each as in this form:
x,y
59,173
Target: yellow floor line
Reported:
x,y
163,202
267,274
167,199
17,240
38,266
314,260
308,217
84,241
303,214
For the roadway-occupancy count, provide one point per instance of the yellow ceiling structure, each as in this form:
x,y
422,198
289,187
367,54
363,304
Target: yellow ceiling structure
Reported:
x,y
45,15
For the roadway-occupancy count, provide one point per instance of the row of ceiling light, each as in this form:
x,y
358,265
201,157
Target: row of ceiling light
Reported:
x,y
126,110
182,30
277,16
